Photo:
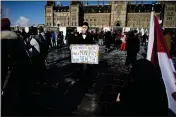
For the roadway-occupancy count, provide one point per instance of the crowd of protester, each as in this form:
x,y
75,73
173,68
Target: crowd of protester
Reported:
x,y
24,54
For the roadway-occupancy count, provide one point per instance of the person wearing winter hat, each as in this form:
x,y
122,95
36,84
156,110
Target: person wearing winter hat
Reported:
x,y
86,69
13,53
5,24
6,34
85,37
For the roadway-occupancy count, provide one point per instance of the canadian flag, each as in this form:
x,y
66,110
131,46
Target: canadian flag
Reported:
x,y
158,54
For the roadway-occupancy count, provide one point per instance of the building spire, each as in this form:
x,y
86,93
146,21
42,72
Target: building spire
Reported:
x,y
98,2
136,3
142,2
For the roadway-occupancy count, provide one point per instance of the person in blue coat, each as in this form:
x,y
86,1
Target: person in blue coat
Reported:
x,y
53,37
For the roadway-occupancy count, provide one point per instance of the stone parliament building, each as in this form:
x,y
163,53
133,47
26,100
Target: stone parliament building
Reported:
x,y
115,13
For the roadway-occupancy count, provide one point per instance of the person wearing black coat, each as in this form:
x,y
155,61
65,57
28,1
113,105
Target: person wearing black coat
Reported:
x,y
85,38
19,83
59,41
95,36
85,69
132,47
108,40
145,95
144,39
24,34
48,39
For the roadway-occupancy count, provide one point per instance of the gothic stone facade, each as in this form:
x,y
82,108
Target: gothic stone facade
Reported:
x,y
117,13
170,15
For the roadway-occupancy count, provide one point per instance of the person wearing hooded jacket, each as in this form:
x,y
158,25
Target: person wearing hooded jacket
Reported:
x,y
108,39
145,95
132,47
13,50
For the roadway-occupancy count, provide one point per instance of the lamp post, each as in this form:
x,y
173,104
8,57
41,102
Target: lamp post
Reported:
x,y
153,5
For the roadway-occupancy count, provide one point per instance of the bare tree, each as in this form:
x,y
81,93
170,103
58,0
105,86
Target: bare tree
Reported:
x,y
4,12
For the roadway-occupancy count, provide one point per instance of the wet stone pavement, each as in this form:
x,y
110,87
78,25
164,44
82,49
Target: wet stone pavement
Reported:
x,y
64,95
109,81
68,97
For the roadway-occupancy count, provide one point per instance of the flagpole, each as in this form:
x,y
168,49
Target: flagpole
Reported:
x,y
151,36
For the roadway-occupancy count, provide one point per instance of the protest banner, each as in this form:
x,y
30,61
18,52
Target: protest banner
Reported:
x,y
86,54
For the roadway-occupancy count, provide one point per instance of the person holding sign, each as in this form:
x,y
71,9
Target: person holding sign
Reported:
x,y
85,38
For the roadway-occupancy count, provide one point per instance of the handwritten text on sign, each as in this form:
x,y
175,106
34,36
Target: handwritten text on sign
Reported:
x,y
84,54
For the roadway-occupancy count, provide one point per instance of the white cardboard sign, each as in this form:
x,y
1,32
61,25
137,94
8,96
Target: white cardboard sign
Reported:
x,y
86,54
